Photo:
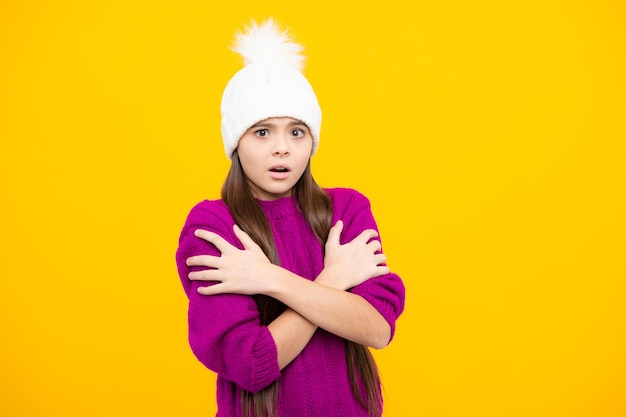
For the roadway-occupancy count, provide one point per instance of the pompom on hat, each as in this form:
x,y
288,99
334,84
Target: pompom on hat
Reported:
x,y
270,84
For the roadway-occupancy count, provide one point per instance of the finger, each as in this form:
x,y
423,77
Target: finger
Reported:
x,y
206,275
335,233
203,260
366,235
245,239
374,245
382,270
212,289
380,258
219,242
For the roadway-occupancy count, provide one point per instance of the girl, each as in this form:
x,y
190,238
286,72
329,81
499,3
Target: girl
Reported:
x,y
286,281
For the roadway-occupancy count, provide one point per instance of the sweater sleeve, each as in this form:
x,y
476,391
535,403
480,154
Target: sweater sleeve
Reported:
x,y
387,292
225,332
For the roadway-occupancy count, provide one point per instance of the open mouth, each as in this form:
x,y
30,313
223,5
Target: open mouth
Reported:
x,y
279,169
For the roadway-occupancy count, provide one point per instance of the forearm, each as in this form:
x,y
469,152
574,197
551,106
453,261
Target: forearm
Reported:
x,y
291,333
335,310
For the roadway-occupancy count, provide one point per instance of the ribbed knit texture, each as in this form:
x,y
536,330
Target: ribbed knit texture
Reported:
x,y
225,332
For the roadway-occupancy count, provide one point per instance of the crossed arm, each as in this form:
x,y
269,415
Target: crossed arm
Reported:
x,y
323,302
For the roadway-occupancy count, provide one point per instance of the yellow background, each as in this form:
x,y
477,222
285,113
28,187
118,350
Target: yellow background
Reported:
x,y
489,136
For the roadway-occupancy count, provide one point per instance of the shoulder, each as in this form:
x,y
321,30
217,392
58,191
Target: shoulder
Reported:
x,y
347,197
348,203
210,214
210,208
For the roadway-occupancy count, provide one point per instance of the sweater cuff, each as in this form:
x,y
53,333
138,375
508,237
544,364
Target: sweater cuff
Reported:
x,y
266,361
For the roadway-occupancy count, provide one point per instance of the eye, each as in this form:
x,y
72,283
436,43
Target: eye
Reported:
x,y
297,133
262,133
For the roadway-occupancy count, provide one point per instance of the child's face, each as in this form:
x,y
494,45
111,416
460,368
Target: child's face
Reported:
x,y
274,153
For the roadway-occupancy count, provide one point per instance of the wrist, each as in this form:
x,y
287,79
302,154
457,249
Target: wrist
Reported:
x,y
329,278
273,281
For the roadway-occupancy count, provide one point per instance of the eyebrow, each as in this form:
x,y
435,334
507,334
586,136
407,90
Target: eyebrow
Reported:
x,y
272,125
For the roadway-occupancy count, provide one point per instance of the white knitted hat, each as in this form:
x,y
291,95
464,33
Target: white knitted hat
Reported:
x,y
270,85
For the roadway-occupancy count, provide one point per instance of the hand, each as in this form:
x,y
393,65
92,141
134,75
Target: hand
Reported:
x,y
236,271
348,265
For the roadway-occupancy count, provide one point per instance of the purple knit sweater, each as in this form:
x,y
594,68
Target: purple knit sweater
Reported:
x,y
225,333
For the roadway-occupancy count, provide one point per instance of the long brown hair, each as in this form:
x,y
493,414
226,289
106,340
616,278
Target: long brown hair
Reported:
x,y
317,209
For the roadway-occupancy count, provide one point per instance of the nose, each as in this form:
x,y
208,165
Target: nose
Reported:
x,y
281,146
